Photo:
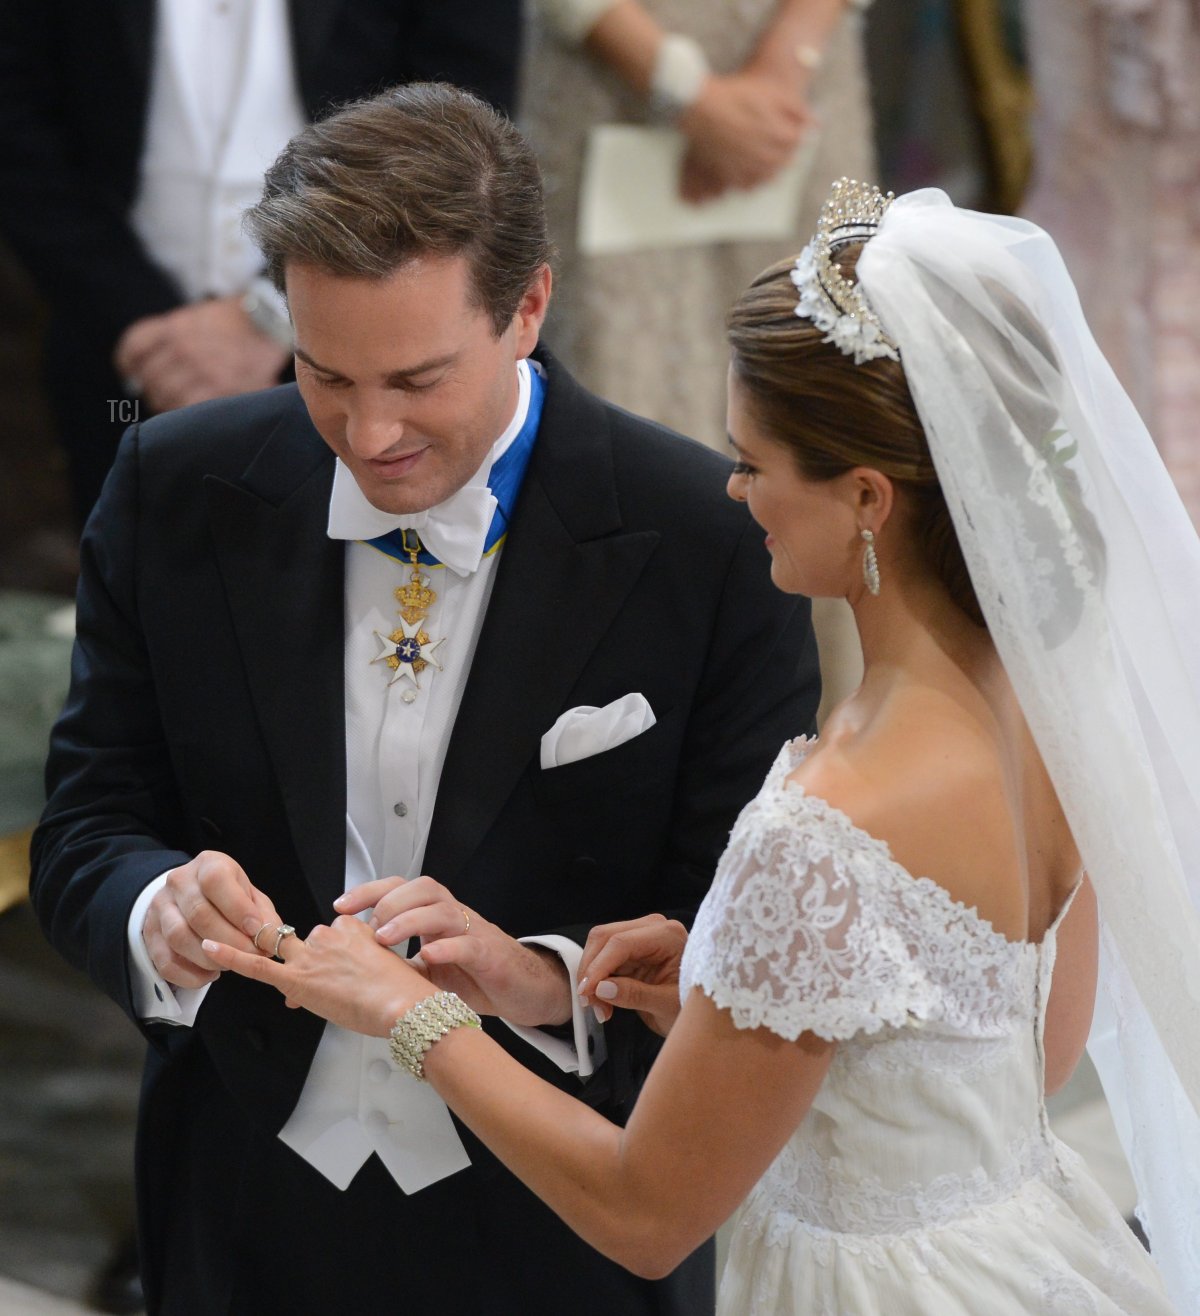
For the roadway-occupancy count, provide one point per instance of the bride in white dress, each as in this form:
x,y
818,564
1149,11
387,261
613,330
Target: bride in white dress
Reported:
x,y
898,956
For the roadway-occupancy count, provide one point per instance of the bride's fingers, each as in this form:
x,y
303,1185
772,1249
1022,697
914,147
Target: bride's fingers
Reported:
x,y
653,945
657,1003
260,967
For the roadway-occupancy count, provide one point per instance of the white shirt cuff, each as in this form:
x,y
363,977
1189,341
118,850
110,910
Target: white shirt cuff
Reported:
x,y
587,1052
154,998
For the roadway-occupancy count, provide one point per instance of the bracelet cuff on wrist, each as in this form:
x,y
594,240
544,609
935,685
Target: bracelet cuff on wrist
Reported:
x,y
680,70
424,1024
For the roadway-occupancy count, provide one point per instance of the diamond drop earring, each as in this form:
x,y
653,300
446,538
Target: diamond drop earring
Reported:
x,y
870,562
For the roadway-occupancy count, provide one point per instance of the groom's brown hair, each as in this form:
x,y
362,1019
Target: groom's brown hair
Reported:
x,y
422,169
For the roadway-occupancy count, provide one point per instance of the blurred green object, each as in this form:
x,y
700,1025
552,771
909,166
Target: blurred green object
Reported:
x,y
35,661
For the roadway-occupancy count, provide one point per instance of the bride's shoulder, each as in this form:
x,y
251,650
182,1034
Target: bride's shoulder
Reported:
x,y
925,781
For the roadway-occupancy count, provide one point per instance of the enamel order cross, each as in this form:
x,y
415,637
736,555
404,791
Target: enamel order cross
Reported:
x,y
409,653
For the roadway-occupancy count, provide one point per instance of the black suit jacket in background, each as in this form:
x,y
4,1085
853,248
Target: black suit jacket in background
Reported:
x,y
207,711
74,90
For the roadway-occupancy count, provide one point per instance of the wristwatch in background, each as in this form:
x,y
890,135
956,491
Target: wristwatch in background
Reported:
x,y
267,313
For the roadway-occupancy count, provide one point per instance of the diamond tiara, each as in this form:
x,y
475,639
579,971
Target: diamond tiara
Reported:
x,y
852,213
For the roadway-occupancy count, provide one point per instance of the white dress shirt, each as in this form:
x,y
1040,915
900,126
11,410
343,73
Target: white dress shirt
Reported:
x,y
355,1101
223,104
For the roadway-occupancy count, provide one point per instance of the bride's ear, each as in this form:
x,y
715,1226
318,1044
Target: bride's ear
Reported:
x,y
875,497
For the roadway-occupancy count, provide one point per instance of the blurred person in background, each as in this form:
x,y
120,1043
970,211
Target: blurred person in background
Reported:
x,y
746,84
132,137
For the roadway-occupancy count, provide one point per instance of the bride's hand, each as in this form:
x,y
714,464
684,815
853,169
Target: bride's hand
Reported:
x,y
634,965
340,972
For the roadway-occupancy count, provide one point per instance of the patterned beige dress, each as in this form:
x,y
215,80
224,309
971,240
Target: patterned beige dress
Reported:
x,y
1117,184
646,330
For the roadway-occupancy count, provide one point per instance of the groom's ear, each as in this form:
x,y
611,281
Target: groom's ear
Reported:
x,y
532,311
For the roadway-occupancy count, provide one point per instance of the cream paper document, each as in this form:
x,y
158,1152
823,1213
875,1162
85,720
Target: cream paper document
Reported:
x,y
630,196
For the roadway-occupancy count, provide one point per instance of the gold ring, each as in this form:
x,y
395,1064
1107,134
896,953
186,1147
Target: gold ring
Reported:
x,y
259,933
466,919
285,930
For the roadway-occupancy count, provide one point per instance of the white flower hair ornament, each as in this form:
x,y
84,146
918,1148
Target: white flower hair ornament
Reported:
x,y
852,213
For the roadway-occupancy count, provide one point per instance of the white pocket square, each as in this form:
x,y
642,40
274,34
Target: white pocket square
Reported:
x,y
584,731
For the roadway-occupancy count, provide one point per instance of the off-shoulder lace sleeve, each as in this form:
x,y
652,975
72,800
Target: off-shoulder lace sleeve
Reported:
x,y
807,927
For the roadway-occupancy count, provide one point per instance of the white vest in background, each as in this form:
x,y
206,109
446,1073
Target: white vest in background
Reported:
x,y
223,104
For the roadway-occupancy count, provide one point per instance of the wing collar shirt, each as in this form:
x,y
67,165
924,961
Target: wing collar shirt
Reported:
x,y
355,1101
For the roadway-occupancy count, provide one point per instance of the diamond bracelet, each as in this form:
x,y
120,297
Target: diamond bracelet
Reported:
x,y
424,1024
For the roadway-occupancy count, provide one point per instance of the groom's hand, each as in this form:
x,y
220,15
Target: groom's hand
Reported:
x,y
463,952
209,897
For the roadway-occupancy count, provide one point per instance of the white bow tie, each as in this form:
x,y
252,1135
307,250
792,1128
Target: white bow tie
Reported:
x,y
454,531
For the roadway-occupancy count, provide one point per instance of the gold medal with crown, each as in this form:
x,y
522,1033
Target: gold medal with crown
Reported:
x,y
409,649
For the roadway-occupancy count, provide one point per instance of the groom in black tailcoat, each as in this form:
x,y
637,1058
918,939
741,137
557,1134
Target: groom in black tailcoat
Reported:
x,y
561,736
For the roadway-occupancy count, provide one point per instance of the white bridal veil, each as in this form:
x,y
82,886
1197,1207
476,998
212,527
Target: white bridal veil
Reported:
x,y
1087,569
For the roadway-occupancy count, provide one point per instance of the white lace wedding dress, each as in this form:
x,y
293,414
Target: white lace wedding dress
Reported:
x,y
925,1178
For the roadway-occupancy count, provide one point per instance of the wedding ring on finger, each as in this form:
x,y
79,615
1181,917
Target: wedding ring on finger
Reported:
x,y
466,913
285,930
259,933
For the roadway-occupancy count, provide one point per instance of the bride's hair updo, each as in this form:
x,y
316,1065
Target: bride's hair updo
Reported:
x,y
835,415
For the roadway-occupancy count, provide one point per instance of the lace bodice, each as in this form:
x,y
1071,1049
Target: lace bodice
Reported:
x,y
811,925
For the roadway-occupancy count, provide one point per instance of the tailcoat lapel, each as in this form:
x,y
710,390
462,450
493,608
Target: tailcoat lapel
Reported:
x,y
565,571
284,582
